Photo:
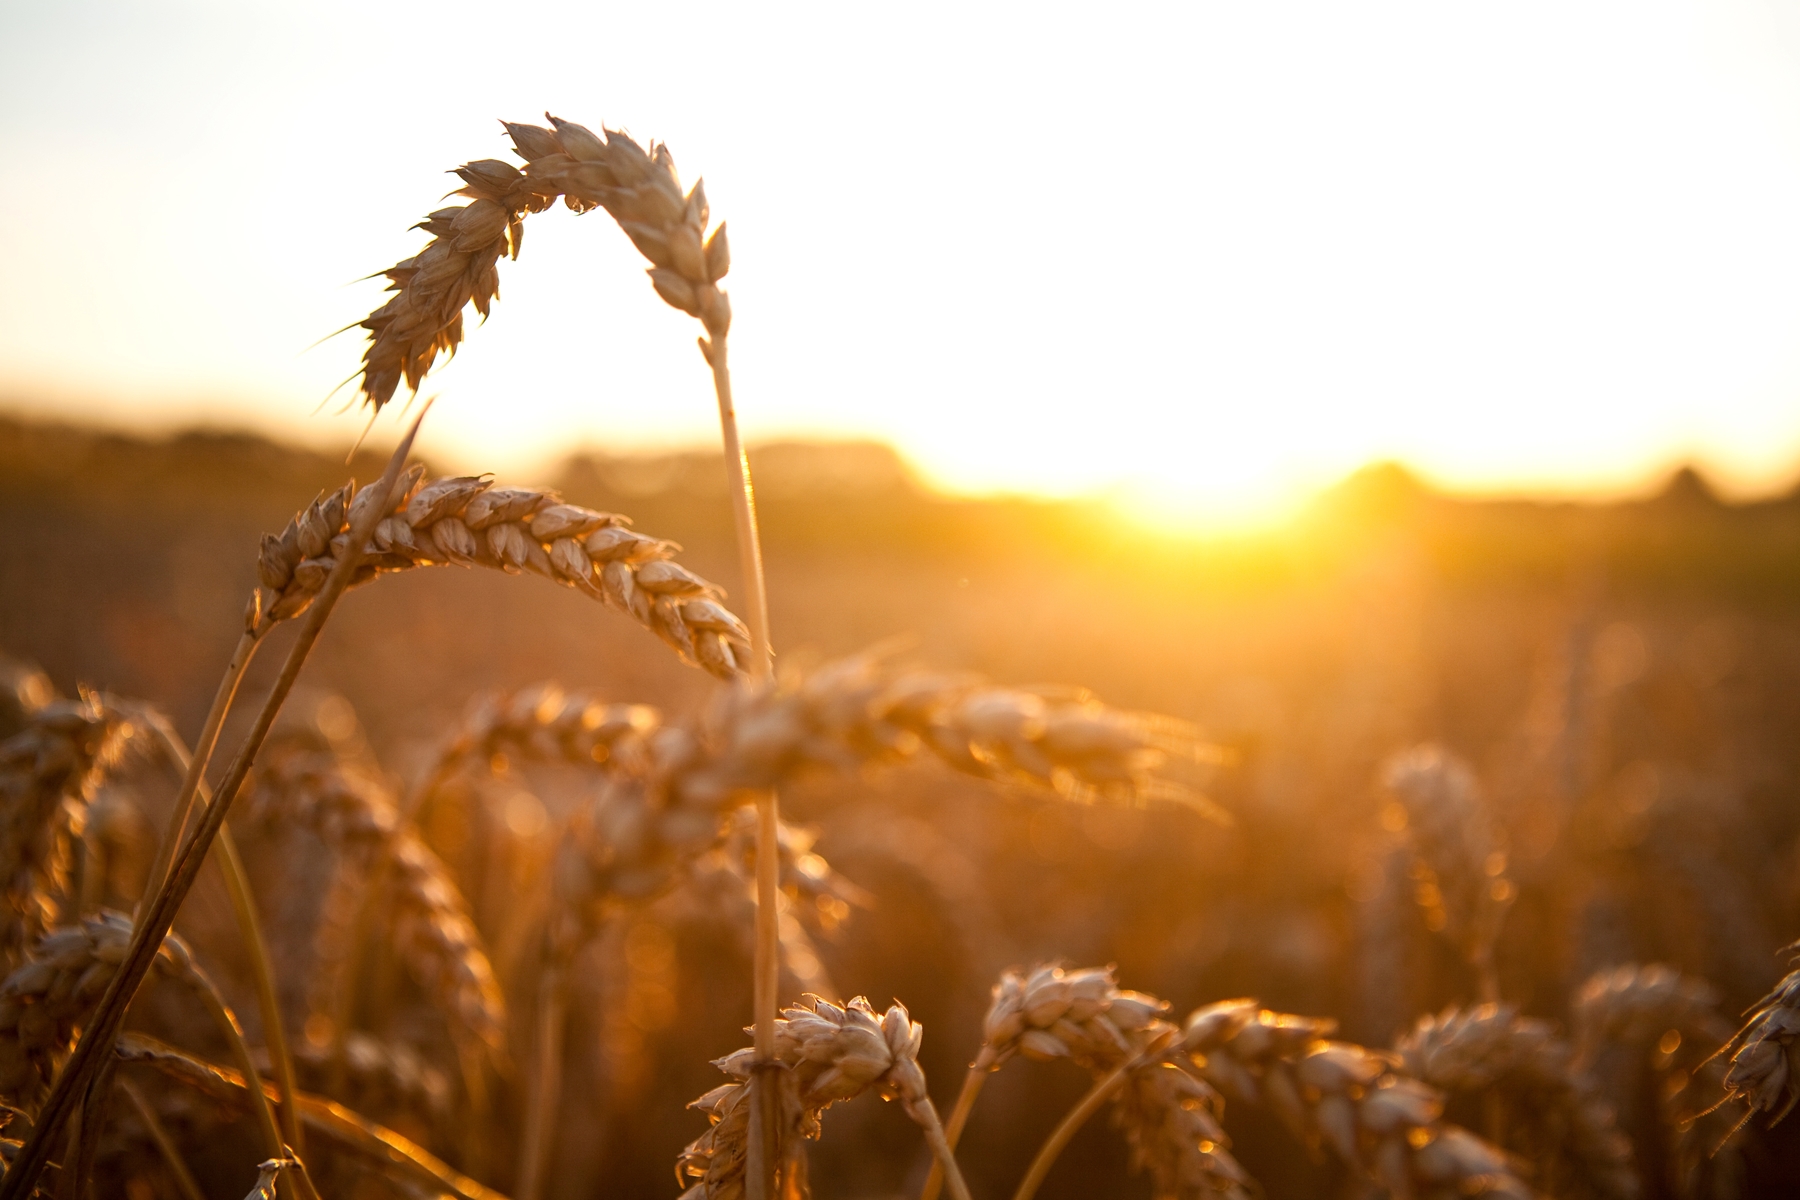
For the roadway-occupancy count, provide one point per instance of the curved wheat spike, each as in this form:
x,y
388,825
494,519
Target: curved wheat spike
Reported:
x,y
647,824
1459,862
1559,1120
459,265
48,774
827,1053
466,521
1765,1057
1657,1013
355,816
1387,1126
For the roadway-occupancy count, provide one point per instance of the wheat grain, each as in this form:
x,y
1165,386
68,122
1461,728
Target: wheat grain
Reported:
x,y
48,773
459,265
466,521
1350,1098
1765,1059
379,1077
431,931
1567,1128
827,1053
1459,863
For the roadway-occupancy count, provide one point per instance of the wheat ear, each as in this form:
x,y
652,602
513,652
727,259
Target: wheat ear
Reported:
x,y
1386,1126
466,521
1170,1116
44,1002
1657,1013
353,815
1459,864
48,773
1765,1058
157,915
1567,1126
826,1053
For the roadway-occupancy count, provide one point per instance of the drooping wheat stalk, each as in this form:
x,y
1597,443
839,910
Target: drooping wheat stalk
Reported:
x,y
1388,1127
1459,863
466,521
48,773
827,1054
1557,1119
1655,1012
410,1166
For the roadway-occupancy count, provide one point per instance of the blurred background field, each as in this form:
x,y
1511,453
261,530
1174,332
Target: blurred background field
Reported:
x,y
1623,676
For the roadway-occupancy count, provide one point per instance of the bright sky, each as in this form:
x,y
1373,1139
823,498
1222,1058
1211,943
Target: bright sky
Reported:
x,y
1215,255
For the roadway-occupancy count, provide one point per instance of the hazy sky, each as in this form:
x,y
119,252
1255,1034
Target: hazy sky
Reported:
x,y
1216,254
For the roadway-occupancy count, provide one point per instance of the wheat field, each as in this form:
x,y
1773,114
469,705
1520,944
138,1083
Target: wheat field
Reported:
x,y
1429,848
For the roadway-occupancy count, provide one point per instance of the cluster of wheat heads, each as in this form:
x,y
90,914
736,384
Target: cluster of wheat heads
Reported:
x,y
687,809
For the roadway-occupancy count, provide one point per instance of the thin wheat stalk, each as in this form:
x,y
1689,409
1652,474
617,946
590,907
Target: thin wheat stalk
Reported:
x,y
256,947
204,746
48,773
466,521
1388,1127
165,1145
1765,1058
1108,1086
410,1166
827,1053
1459,864
158,916
1568,1128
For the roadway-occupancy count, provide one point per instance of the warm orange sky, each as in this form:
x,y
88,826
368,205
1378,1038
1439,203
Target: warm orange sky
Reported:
x,y
1213,255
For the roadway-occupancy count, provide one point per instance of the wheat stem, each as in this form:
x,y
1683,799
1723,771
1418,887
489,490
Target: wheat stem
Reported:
x,y
184,1178
256,947
546,1084
227,1022
943,1154
159,914
765,1136
196,763
243,903
953,1128
1090,1104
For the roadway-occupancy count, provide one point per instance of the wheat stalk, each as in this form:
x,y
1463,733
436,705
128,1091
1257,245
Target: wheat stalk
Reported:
x,y
1350,1098
466,521
432,934
827,1053
1459,864
48,773
396,1157
1568,1128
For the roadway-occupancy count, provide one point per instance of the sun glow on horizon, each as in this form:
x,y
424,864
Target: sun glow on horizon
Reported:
x,y
1203,261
